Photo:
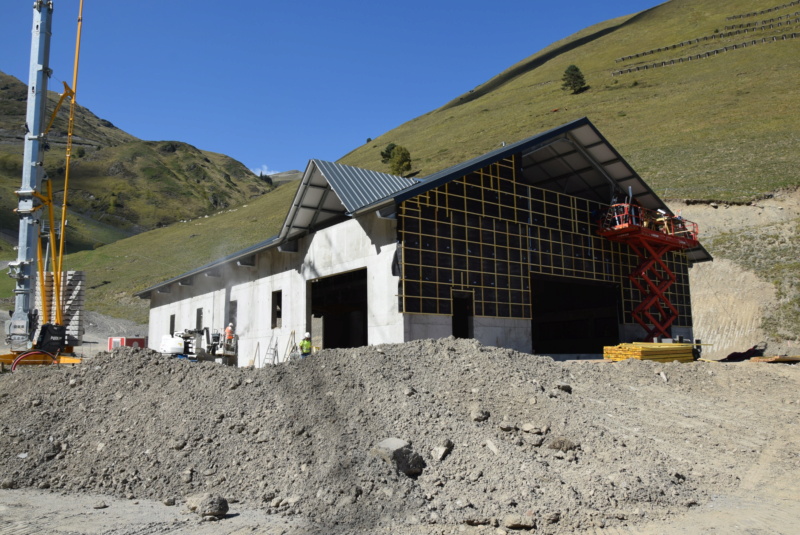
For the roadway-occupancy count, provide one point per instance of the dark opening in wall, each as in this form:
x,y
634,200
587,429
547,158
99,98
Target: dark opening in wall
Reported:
x,y
574,316
277,309
462,314
341,301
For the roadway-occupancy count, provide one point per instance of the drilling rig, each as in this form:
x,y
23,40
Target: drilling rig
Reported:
x,y
46,321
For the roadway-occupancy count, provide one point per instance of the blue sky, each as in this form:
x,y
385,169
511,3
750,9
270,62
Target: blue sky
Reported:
x,y
276,83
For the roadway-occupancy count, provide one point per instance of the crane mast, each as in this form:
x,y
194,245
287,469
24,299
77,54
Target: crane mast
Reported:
x,y
33,174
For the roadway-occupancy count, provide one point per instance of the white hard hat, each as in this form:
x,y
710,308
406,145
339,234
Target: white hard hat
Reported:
x,y
230,325
308,335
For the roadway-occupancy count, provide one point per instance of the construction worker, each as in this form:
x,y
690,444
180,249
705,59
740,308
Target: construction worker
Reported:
x,y
305,346
229,335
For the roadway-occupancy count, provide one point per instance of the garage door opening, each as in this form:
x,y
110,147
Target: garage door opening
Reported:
x,y
573,316
341,303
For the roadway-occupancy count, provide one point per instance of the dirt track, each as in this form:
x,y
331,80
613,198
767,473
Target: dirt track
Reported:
x,y
565,447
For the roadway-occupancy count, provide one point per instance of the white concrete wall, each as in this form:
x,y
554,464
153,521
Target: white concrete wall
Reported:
x,y
184,305
504,332
257,339
498,332
424,326
367,242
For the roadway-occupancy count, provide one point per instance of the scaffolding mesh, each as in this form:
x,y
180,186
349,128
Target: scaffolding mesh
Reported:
x,y
488,233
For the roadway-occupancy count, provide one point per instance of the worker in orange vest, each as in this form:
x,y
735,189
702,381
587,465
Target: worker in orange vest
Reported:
x,y
229,335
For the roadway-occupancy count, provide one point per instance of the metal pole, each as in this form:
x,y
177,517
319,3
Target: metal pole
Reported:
x,y
24,269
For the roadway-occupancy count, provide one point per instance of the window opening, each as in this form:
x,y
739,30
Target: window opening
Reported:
x,y
277,309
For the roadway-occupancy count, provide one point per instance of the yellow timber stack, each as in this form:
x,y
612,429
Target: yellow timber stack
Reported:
x,y
649,351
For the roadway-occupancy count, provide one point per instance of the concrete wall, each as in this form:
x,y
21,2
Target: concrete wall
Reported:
x,y
367,242
633,332
498,332
504,332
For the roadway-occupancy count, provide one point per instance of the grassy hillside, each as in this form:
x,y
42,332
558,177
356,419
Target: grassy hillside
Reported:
x,y
722,128
119,185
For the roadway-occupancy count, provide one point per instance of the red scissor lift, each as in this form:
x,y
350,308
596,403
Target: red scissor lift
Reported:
x,y
651,235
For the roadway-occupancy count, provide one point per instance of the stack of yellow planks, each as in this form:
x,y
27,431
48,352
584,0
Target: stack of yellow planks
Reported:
x,y
649,351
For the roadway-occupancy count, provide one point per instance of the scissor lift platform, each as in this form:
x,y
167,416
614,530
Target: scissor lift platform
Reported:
x,y
651,235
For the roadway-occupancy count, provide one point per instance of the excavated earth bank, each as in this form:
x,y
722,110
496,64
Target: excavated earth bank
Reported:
x,y
506,441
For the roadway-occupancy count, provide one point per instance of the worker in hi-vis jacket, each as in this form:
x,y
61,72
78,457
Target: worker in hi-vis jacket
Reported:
x,y
305,346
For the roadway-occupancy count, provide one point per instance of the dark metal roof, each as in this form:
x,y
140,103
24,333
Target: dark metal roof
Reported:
x,y
357,187
574,159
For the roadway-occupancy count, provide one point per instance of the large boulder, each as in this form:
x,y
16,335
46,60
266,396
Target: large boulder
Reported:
x,y
399,454
207,504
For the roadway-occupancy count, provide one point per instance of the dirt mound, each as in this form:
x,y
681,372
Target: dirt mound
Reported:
x,y
483,436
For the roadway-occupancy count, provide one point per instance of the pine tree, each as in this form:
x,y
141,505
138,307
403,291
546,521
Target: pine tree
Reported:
x,y
386,154
400,161
573,80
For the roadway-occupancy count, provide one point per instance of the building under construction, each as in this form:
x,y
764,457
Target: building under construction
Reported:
x,y
550,245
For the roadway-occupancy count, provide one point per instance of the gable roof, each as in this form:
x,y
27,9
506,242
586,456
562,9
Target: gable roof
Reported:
x,y
330,192
573,158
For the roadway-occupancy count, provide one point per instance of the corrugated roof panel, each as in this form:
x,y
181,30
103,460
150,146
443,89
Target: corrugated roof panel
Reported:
x,y
575,161
357,188
618,171
586,135
313,196
602,153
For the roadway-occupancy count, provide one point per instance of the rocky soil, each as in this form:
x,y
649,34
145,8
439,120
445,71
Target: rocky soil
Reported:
x,y
486,440
729,301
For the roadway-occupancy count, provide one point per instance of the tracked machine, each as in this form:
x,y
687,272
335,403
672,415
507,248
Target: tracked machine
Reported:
x,y
45,324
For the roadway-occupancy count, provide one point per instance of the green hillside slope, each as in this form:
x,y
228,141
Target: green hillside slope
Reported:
x,y
717,128
119,185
